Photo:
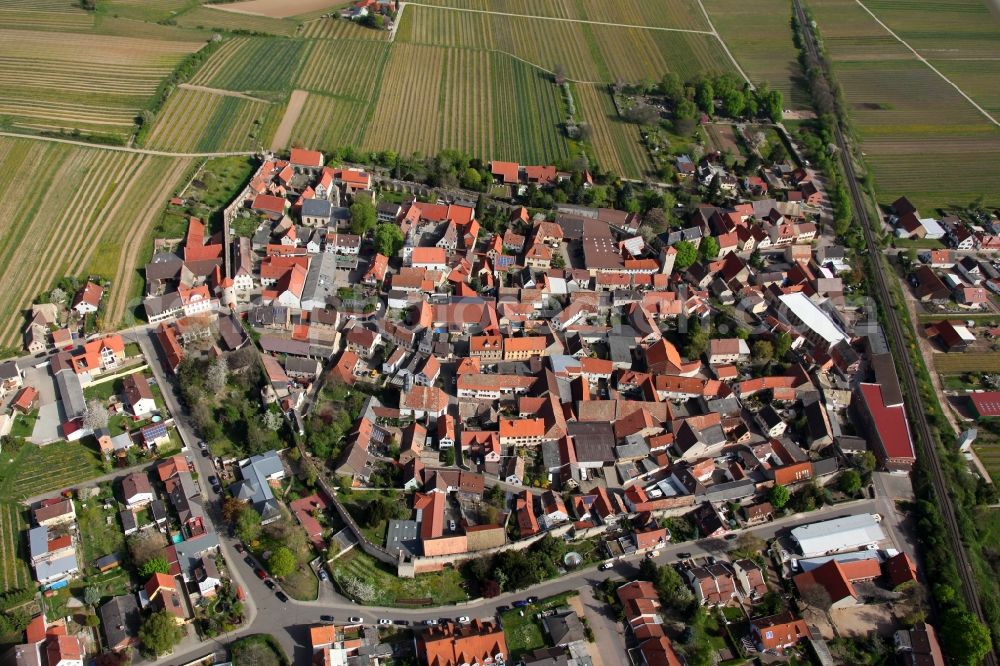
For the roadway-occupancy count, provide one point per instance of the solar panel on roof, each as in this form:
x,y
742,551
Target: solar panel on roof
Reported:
x,y
154,431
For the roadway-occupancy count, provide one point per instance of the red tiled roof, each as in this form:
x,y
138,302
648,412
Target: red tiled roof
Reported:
x,y
303,157
269,203
900,569
890,422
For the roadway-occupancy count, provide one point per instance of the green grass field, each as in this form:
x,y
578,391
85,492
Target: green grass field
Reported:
x,y
443,587
38,470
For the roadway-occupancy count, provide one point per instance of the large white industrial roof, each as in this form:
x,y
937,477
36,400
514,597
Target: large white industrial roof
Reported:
x,y
838,534
810,315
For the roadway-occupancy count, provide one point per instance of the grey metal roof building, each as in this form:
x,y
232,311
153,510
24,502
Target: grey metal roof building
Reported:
x,y
254,488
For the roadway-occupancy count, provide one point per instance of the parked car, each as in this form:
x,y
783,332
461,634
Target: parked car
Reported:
x,y
532,600
384,621
354,619
249,561
282,597
202,445
322,575
520,603
260,573
213,480
431,622
404,623
270,584
683,556
605,566
205,453
502,609
327,618
465,619
732,536
238,547
653,553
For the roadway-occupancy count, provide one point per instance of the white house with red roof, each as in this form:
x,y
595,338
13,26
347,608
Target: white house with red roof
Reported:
x,y
88,299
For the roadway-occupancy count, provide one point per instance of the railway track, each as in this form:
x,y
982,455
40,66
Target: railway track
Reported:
x,y
883,294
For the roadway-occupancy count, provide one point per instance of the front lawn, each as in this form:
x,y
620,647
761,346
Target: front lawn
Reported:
x,y
363,578
24,424
104,390
524,633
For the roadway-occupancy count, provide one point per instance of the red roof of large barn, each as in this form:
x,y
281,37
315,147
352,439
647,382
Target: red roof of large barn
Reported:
x,y
987,403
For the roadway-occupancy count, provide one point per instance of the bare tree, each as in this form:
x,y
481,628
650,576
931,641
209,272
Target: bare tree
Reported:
x,y
95,416
271,420
818,598
57,296
559,73
217,375
146,545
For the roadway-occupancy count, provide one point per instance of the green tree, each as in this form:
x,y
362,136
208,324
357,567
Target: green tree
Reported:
x,y
966,639
159,633
782,345
91,595
773,103
672,87
704,96
671,589
709,248
734,103
388,239
763,351
362,217
471,179
154,565
697,339
687,254
248,525
282,562
779,496
849,481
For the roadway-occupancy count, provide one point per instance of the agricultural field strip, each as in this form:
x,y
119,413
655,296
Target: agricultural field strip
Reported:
x,y
126,273
929,65
581,41
565,19
77,218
